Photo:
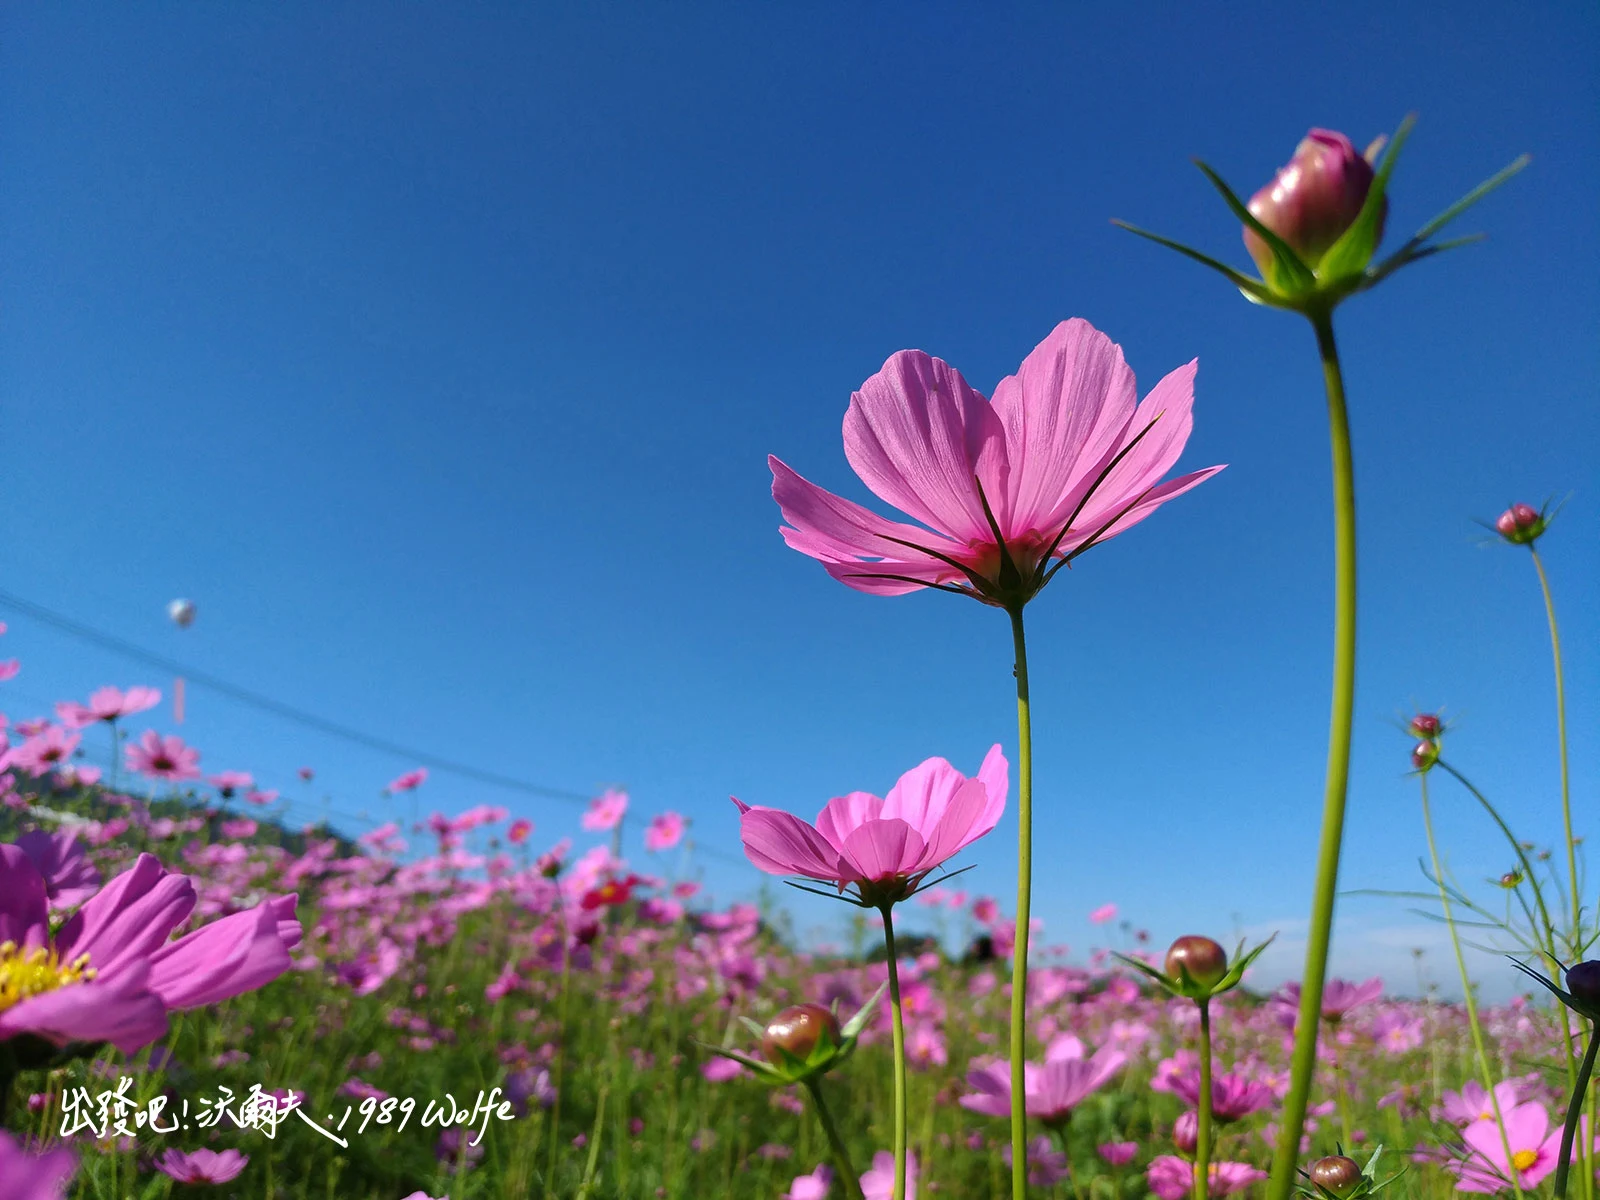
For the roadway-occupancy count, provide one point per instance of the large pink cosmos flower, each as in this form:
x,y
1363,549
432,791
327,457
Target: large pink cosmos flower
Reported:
x,y
1534,1149
1053,1090
163,757
109,974
1010,490
28,1176
45,751
108,704
884,847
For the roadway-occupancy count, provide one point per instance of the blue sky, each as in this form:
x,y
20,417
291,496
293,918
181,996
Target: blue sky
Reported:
x,y
437,354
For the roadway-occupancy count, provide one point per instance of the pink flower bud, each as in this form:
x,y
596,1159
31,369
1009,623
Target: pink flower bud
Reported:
x,y
1521,524
1425,725
1186,1131
1425,754
1313,200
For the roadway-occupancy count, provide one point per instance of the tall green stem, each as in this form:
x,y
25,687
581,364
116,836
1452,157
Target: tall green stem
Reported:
x,y
1019,956
1202,1145
1304,1061
1574,1107
899,1057
1484,1074
841,1157
1561,730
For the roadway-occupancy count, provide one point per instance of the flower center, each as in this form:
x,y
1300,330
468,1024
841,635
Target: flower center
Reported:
x,y
28,973
1523,1159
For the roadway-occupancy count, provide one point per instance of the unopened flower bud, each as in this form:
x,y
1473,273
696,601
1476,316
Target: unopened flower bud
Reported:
x,y
1340,1175
1521,524
1186,1132
1510,879
1204,960
1424,754
1313,199
798,1029
1425,725
1583,981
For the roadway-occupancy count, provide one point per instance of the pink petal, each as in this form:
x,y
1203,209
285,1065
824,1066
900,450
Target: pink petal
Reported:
x,y
119,1009
920,796
24,906
781,843
1064,413
130,918
1090,522
958,825
995,776
917,435
237,954
882,849
843,815
1170,406
834,529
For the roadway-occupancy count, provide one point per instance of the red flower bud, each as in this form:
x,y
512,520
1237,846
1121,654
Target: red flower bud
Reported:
x,y
797,1029
1340,1175
1425,754
1204,960
1521,524
1425,725
1313,200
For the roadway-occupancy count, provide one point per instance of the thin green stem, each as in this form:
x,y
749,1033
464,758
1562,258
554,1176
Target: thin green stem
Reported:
x,y
1019,957
899,1057
1574,1107
1473,1024
841,1156
1561,729
1202,1146
1304,1060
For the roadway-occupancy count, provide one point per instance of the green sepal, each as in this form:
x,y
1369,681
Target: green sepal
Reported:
x,y
1355,247
1290,275
1185,985
853,1027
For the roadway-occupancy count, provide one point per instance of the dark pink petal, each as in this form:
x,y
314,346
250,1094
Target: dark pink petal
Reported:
x,y
889,578
843,815
1064,412
28,1176
882,849
118,1008
237,954
918,435
781,843
24,906
130,918
69,877
834,529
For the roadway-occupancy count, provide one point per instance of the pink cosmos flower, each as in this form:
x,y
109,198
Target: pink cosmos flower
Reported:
x,y
1534,1149
44,751
1047,1166
27,1176
9,668
878,1183
306,773
1471,1103
813,1186
664,832
163,757
1051,1091
1106,912
1118,1154
1063,458
1172,1178
110,973
519,831
403,783
229,782
261,797
108,704
202,1166
887,847
605,811
1233,1097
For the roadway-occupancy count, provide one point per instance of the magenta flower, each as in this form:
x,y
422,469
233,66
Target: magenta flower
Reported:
x,y
28,1176
1172,1178
108,704
109,973
1062,459
878,1183
44,751
163,757
813,1186
605,811
410,781
519,831
202,1166
10,668
1314,199
884,848
1472,1102
664,831
1052,1090
69,877
1233,1097
1106,912
1118,1154
1534,1148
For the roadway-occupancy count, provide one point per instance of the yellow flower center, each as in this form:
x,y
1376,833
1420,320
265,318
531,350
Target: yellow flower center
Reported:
x,y
1523,1159
28,973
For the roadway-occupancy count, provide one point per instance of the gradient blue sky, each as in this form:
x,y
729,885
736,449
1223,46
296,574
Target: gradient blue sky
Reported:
x,y
437,351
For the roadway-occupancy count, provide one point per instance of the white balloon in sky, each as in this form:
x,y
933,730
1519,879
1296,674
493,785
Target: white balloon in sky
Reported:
x,y
182,613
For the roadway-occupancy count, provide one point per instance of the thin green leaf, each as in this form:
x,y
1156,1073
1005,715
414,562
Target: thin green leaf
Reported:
x,y
1295,273
1471,198
1240,280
